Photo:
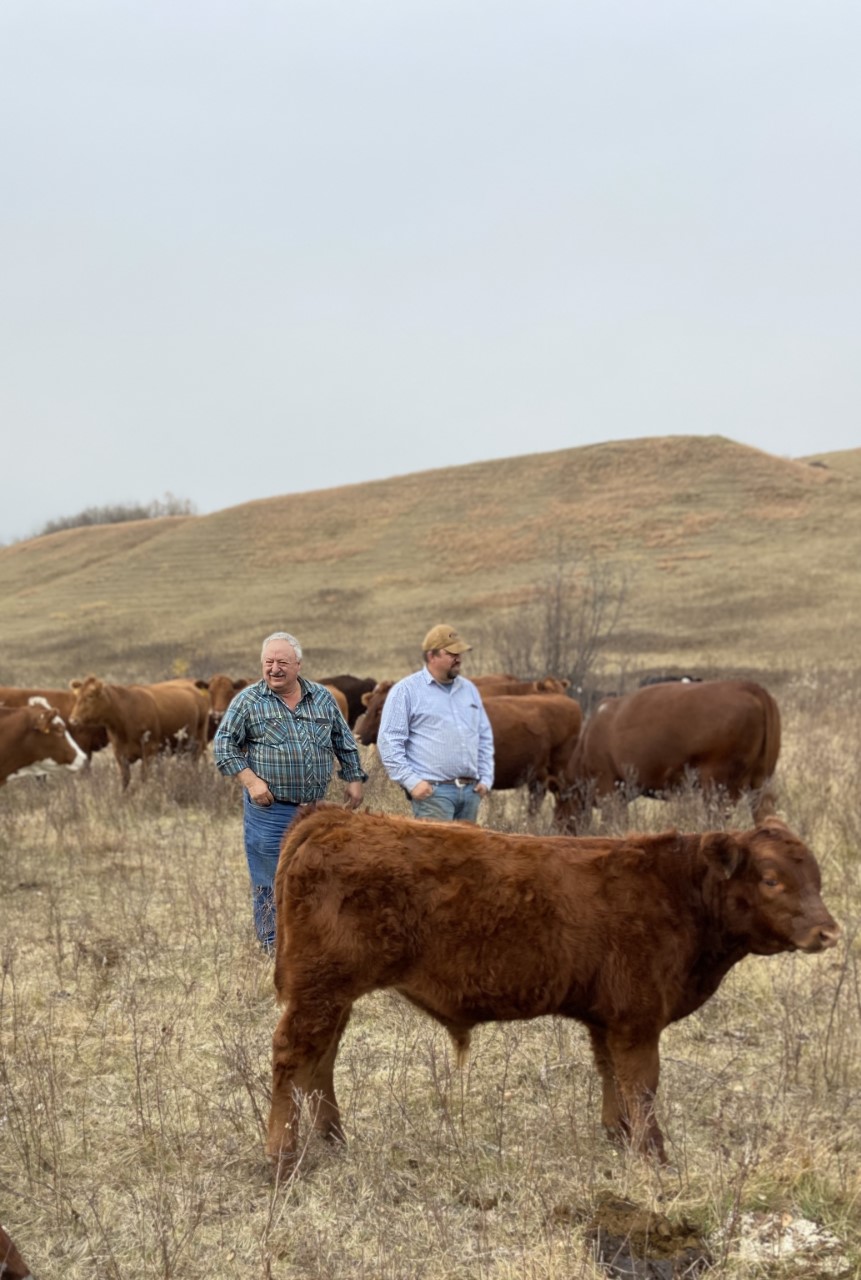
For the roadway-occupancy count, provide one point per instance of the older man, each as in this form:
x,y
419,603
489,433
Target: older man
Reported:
x,y
435,739
280,737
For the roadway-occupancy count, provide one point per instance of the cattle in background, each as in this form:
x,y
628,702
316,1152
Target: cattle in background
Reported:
x,y
340,698
511,686
34,741
222,690
89,738
724,734
533,737
367,726
626,935
353,689
12,1265
143,720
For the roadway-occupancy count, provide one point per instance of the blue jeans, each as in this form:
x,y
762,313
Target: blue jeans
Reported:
x,y
263,827
448,803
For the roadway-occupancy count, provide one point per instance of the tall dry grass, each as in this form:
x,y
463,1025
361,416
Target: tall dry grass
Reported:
x,y
135,1023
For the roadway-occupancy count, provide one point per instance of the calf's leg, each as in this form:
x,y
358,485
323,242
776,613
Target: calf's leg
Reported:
x,y
321,1087
629,1067
304,1048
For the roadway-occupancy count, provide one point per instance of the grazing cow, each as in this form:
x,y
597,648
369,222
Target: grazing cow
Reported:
x,y
353,689
626,935
724,733
34,741
12,1265
511,686
533,737
222,690
143,720
89,738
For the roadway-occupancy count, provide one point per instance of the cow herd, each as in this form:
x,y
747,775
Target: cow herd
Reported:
x,y
722,734
625,935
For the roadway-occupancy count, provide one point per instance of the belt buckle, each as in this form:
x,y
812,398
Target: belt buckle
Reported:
x,y
462,782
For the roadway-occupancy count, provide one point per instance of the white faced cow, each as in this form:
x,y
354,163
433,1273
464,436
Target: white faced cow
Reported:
x,y
34,741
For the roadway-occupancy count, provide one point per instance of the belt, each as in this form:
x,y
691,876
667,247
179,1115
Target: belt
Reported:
x,y
464,782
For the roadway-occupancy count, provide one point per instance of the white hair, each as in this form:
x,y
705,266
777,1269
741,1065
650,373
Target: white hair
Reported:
x,y
282,635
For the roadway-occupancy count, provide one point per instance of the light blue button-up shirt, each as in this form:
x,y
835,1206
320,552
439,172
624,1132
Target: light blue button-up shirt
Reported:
x,y
435,732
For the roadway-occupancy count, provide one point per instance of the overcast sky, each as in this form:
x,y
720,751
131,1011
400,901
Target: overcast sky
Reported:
x,y
262,247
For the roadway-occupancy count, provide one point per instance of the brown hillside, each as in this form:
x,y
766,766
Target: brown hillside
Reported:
x,y
735,559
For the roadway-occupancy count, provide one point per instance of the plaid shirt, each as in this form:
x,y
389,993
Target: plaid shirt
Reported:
x,y
292,751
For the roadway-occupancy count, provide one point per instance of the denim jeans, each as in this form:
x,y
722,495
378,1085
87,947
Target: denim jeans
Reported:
x,y
263,828
448,803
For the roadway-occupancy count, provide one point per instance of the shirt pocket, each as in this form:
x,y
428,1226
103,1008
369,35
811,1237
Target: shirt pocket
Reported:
x,y
275,733
321,732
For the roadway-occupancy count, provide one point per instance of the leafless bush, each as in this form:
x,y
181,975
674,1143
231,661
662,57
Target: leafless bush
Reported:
x,y
562,630
119,513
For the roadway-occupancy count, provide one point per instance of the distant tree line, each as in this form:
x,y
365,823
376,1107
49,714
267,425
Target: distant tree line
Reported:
x,y
121,512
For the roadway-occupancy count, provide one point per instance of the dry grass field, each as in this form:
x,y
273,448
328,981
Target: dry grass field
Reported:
x,y
136,1012
135,1024
735,561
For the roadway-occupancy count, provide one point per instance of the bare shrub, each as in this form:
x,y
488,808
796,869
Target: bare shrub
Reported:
x,y
570,618
119,513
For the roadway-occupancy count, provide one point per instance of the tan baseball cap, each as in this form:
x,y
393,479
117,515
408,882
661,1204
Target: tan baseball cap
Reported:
x,y
443,637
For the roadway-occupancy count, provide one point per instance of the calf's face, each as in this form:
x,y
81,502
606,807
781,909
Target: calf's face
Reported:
x,y
775,894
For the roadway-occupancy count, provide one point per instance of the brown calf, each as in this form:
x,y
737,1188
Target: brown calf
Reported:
x,y
626,935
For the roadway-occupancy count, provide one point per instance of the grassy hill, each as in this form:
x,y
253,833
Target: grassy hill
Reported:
x,y
734,560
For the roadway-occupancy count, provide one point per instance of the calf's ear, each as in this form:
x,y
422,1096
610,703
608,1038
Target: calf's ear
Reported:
x,y
722,850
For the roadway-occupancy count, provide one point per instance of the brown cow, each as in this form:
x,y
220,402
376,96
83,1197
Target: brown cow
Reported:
x,y
367,726
511,686
12,1265
222,690
533,737
34,741
143,720
340,698
724,733
89,738
353,688
625,935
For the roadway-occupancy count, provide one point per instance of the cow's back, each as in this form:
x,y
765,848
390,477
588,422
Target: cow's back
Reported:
x,y
729,728
425,906
183,710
